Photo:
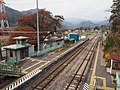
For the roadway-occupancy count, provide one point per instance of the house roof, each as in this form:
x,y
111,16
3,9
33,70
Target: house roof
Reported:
x,y
52,40
16,46
114,56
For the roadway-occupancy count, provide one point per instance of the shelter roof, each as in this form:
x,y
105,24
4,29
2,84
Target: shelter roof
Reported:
x,y
20,37
16,46
114,57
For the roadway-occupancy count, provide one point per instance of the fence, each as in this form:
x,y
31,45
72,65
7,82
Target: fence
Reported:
x,y
44,51
11,70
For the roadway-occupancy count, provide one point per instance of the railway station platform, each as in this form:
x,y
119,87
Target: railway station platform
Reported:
x,y
98,73
34,65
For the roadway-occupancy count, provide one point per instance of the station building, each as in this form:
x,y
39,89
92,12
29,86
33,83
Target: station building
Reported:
x,y
114,63
51,42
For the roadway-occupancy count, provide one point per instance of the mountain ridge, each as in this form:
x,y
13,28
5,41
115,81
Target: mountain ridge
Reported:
x,y
68,22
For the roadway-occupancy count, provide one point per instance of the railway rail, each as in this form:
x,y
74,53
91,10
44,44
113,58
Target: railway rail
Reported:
x,y
45,82
35,73
81,72
57,67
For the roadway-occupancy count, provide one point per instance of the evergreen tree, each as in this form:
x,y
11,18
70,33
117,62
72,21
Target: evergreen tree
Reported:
x,y
115,17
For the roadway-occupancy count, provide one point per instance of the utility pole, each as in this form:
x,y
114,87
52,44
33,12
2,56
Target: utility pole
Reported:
x,y
3,16
38,32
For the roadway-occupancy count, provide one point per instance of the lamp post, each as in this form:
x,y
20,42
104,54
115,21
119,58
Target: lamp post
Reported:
x,y
38,38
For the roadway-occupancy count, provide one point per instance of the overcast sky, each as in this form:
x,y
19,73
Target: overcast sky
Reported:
x,y
82,9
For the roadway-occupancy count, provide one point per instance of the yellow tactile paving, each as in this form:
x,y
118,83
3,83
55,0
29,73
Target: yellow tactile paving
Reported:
x,y
42,65
93,77
94,70
43,61
32,66
103,79
59,55
104,88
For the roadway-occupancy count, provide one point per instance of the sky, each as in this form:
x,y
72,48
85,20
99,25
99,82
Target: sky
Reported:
x,y
83,9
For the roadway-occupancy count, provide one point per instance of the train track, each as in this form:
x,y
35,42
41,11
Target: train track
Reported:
x,y
45,82
25,81
81,72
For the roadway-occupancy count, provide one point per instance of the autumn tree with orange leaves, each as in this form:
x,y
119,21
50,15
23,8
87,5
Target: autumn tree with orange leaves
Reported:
x,y
24,31
48,24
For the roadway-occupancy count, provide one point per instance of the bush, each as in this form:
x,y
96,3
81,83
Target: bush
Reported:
x,y
109,44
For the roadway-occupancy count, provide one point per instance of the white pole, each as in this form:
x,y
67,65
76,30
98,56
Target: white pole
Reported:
x,y
38,39
111,66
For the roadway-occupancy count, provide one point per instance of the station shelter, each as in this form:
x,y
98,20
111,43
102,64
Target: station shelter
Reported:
x,y
20,50
114,60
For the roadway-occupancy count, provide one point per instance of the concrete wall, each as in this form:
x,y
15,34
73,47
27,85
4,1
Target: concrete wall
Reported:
x,y
54,44
4,53
8,53
31,49
18,55
14,54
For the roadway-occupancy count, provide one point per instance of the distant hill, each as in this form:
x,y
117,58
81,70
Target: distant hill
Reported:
x,y
87,24
12,15
83,23
74,20
67,23
106,22
29,11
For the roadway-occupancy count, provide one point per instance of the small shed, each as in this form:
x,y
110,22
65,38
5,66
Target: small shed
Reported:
x,y
51,42
114,62
20,50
